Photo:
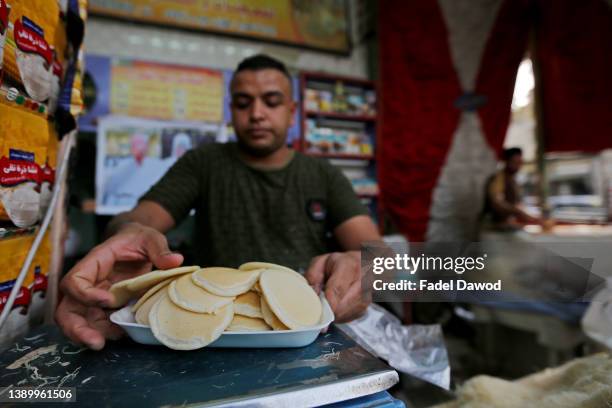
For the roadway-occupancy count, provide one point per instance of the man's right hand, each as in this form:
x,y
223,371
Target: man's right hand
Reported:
x,y
131,252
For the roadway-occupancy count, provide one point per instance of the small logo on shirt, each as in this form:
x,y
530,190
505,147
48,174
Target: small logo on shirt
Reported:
x,y
316,210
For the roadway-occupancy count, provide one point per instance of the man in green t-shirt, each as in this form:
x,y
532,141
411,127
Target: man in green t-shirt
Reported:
x,y
254,200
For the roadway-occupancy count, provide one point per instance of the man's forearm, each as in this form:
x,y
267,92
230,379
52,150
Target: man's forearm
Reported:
x,y
146,213
118,222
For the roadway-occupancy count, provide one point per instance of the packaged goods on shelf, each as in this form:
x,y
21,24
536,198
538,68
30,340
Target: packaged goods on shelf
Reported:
x,y
35,41
47,172
30,302
339,98
322,138
24,141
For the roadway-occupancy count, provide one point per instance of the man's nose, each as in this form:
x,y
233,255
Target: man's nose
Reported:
x,y
257,111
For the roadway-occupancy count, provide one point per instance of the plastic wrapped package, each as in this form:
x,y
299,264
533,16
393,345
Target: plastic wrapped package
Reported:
x,y
29,306
38,278
40,66
13,252
23,150
36,41
57,72
418,350
47,172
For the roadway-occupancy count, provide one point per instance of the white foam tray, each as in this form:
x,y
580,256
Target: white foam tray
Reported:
x,y
248,339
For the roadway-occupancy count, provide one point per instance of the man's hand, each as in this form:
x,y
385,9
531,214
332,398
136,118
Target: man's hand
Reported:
x,y
133,251
339,274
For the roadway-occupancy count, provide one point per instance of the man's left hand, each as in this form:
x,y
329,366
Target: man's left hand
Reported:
x,y
339,275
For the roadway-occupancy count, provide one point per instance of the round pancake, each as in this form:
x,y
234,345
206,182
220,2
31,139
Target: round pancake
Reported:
x,y
121,294
256,287
150,293
129,288
248,304
225,281
142,314
187,295
269,316
291,299
180,329
243,323
250,266
154,277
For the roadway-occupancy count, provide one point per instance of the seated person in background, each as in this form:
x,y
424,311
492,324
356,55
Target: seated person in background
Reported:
x,y
502,197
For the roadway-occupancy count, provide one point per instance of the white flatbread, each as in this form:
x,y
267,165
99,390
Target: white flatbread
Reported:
x,y
141,315
244,323
256,287
291,299
250,266
180,329
269,316
154,277
150,293
225,281
121,294
248,304
130,288
187,295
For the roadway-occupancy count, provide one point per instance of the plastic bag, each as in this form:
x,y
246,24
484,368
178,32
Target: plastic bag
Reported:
x,y
597,321
418,350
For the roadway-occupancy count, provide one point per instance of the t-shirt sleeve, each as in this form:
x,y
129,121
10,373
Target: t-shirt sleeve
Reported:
x,y
179,189
342,202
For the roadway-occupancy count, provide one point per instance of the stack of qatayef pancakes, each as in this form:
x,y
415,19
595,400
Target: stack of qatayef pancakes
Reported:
x,y
190,307
287,301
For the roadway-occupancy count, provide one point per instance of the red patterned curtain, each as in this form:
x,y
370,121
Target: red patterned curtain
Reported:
x,y
418,87
505,49
574,50
421,99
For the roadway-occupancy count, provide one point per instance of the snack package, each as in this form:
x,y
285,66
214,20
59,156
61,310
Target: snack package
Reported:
x,y
29,306
57,72
38,281
34,49
13,252
24,141
47,172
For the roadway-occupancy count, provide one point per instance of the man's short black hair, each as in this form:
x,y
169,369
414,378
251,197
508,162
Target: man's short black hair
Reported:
x,y
511,152
262,61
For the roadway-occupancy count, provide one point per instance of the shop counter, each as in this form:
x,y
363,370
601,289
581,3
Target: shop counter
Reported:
x,y
332,369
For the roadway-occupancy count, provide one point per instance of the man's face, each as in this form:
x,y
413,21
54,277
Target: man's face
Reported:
x,y
262,110
514,163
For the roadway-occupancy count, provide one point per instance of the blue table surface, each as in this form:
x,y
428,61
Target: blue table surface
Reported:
x,y
126,373
380,399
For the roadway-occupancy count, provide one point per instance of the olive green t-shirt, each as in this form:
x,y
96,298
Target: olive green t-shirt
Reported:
x,y
243,214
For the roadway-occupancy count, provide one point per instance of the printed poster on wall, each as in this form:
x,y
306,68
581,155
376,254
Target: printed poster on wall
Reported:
x,y
133,154
109,81
127,87
166,92
321,24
